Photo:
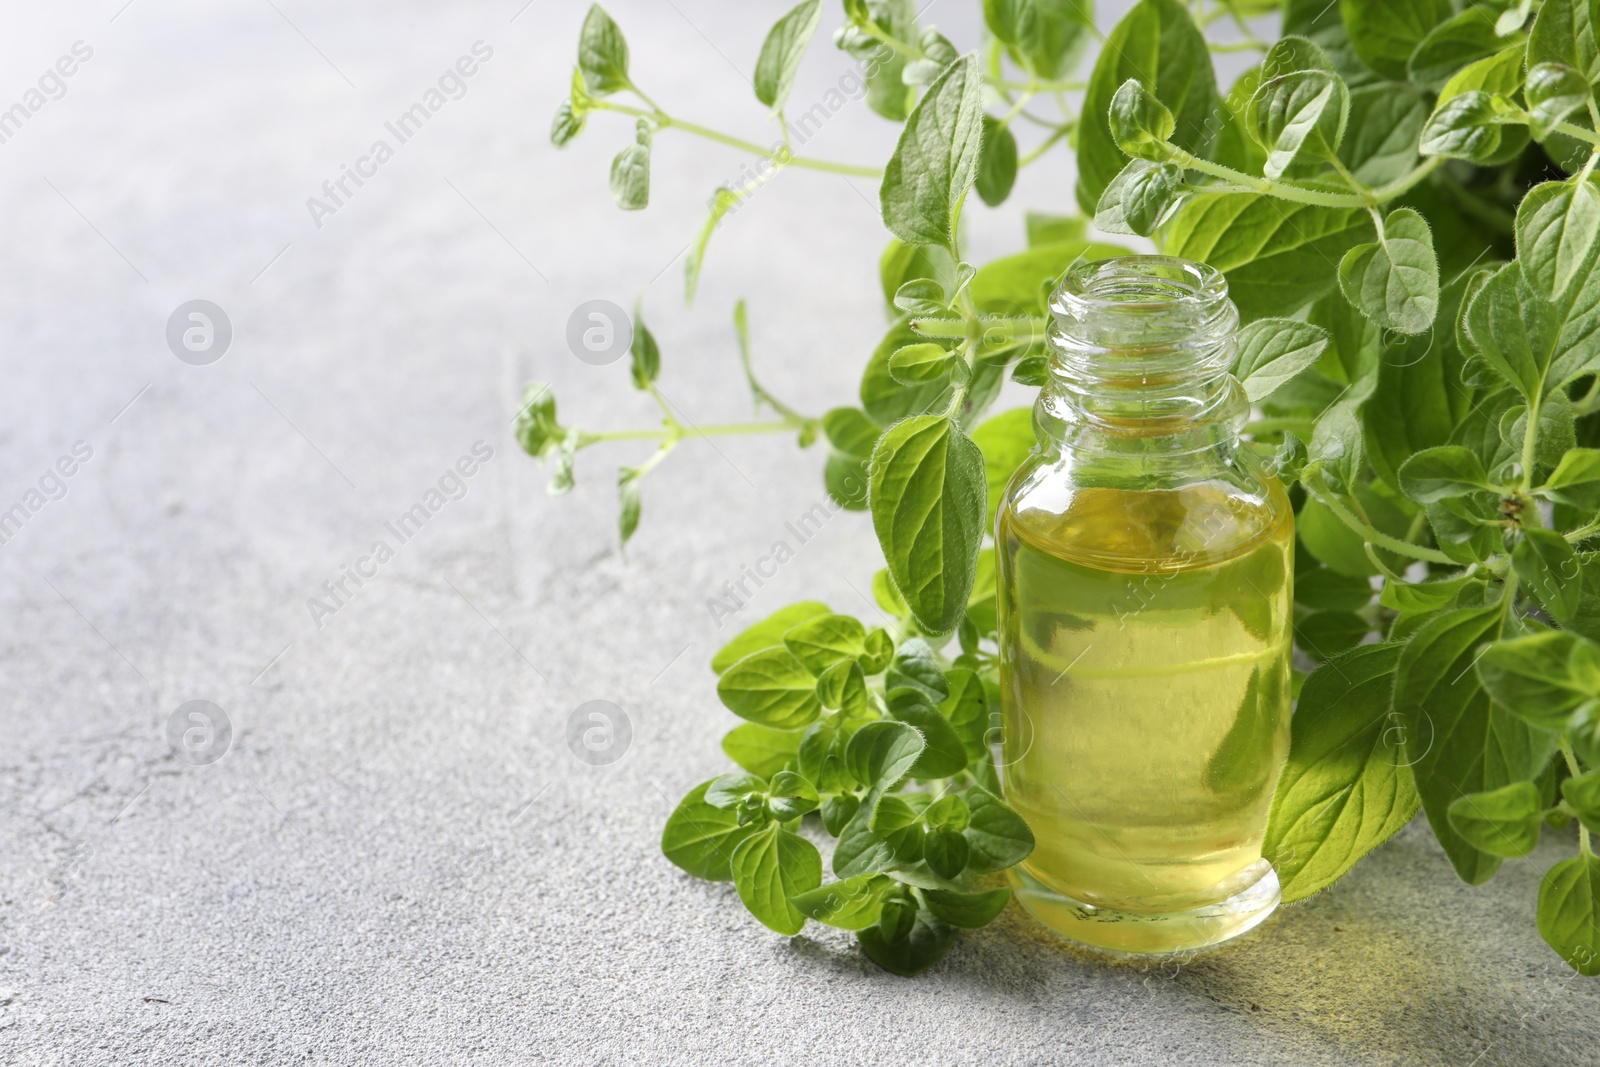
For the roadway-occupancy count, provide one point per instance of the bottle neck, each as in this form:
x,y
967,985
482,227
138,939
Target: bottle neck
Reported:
x,y
1141,349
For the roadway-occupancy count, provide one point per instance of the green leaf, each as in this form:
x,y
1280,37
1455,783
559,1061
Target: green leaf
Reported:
x,y
1158,43
644,350
1046,229
771,687
1557,223
1327,590
881,754
919,363
824,640
1466,126
1547,564
887,401
1458,741
1554,93
898,825
1502,822
997,163
1445,471
927,500
1385,34
1140,198
1302,114
1451,45
944,754
732,791
997,835
1006,441
628,503
1386,121
1569,912
1582,794
967,910
782,51
1576,480
761,750
916,666
1274,253
936,161
1395,281
790,796
630,172
1512,329
945,852
768,633
602,53
924,944
1271,351
1141,125
848,904
1542,678
844,686
701,839
771,867
566,125
887,92
1324,634
1346,788
1043,37
537,429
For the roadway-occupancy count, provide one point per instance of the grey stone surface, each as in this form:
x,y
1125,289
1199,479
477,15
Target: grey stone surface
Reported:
x,y
398,858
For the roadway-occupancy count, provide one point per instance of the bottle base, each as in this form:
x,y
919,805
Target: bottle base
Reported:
x,y
1148,933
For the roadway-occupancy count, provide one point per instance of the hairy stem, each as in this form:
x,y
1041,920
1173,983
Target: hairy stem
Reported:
x,y
1314,484
666,121
1316,197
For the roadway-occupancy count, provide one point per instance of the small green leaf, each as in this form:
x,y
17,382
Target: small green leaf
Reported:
x,y
701,838
824,640
1554,92
1299,115
566,125
924,941
843,686
644,350
602,53
1576,480
1347,787
919,363
1582,794
997,835
628,503
1542,678
944,754
1557,224
761,750
1502,822
1141,125
1466,126
1271,351
771,687
1042,36
630,172
967,910
768,633
1569,912
997,163
936,161
1395,280
838,810
731,791
790,796
878,651
881,754
1385,33
1445,471
848,904
1511,329
1452,44
1380,143
927,500
1548,565
782,51
1140,198
916,666
769,868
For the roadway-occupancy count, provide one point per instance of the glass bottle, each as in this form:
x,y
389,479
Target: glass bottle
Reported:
x,y
1145,562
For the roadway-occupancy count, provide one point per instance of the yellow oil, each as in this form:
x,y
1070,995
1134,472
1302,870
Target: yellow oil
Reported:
x,y
1145,694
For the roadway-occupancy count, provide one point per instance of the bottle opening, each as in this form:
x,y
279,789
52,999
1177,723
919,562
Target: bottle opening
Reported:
x,y
1142,320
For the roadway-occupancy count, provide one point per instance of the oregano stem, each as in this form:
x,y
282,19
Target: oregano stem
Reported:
x,y
675,431
1312,480
1574,130
1314,197
665,121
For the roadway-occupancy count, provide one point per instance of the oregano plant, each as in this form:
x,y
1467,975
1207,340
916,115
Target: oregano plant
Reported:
x,y
1402,197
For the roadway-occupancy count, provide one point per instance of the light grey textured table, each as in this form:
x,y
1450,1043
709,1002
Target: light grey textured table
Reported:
x,y
399,859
